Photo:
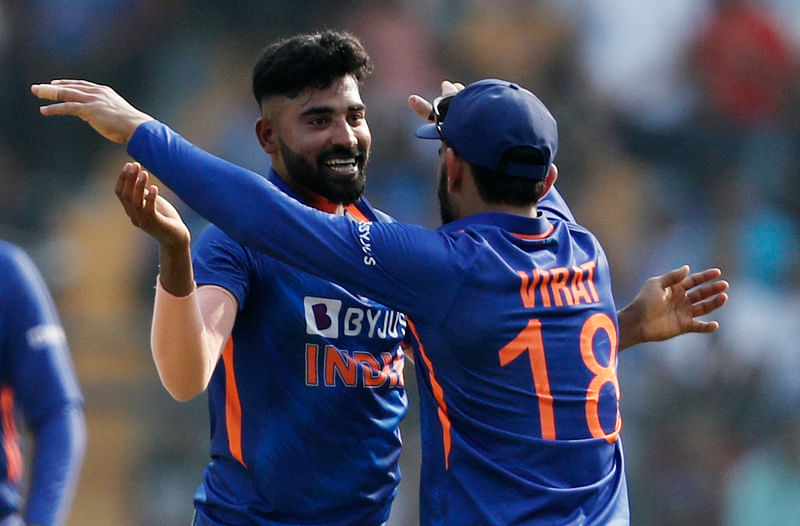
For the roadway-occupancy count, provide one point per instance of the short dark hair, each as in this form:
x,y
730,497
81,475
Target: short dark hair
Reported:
x,y
505,189
496,188
314,60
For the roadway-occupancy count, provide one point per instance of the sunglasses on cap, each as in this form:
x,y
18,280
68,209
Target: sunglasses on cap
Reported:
x,y
439,112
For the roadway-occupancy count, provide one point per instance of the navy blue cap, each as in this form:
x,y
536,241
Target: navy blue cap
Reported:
x,y
492,118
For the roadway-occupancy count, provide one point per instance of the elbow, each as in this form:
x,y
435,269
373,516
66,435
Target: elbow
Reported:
x,y
183,393
184,397
180,396
183,389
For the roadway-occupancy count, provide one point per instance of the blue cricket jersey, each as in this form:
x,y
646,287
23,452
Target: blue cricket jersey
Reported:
x,y
306,402
515,335
36,378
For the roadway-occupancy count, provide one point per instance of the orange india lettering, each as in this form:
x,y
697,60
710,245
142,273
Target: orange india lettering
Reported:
x,y
338,363
348,368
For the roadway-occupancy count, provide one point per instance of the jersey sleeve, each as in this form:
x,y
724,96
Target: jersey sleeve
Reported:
x,y
219,260
378,260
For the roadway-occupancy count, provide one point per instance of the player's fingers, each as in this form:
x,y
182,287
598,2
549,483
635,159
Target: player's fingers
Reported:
x,y
673,277
73,87
704,326
449,88
62,108
140,188
121,180
420,106
126,189
132,208
63,92
709,305
45,91
150,201
76,82
706,291
124,185
699,278
130,172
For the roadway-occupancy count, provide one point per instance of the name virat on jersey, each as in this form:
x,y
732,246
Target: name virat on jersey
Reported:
x,y
558,286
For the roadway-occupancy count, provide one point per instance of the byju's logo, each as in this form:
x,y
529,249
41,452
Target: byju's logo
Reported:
x,y
322,316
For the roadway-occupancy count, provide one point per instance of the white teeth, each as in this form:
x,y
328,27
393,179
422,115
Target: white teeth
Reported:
x,y
347,165
340,162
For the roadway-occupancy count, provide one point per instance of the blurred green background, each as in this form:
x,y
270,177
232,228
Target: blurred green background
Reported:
x,y
678,119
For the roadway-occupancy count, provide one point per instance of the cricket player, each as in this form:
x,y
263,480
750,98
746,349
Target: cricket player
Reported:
x,y
37,381
305,379
514,325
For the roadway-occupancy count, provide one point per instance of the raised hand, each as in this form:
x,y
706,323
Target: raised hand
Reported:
x,y
423,108
149,211
104,109
668,306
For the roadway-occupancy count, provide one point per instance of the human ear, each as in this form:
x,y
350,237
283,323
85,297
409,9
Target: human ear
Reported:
x,y
550,178
265,131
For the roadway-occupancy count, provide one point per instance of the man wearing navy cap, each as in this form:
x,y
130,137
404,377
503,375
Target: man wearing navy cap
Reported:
x,y
509,303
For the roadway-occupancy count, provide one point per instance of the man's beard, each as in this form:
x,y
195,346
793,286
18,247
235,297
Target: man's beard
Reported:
x,y
445,206
343,190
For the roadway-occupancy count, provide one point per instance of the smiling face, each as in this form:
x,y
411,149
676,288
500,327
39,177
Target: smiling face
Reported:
x,y
319,141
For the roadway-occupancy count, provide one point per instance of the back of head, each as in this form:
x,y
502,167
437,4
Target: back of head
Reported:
x,y
315,60
505,132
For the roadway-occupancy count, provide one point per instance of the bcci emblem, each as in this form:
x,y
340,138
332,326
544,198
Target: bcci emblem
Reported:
x,y
322,316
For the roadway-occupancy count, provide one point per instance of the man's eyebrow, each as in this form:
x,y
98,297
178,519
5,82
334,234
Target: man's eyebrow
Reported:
x,y
321,110
317,110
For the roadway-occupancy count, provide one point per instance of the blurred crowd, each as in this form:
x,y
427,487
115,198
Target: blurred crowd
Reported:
x,y
678,123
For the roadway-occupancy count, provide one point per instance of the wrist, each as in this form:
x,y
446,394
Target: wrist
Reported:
x,y
162,290
629,328
175,269
134,122
176,245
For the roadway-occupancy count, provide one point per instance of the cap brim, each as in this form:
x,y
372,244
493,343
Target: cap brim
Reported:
x,y
427,131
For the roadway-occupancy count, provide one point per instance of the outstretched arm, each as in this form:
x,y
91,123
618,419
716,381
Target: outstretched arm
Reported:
x,y
105,110
669,305
190,327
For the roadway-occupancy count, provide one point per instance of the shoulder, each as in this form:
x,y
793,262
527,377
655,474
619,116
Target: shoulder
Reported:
x,y
218,259
212,240
16,263
383,217
579,236
380,215
211,233
11,254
